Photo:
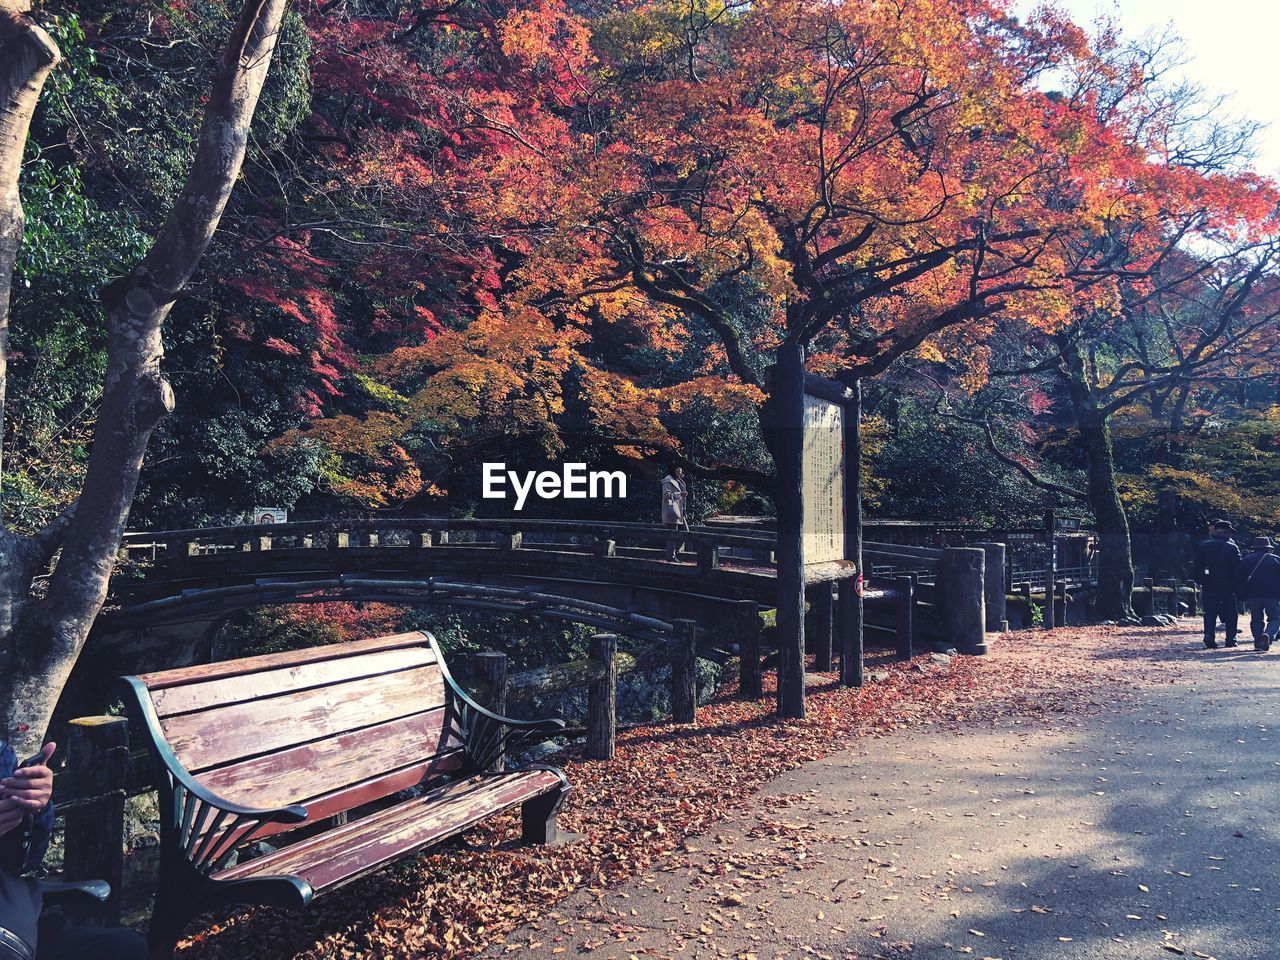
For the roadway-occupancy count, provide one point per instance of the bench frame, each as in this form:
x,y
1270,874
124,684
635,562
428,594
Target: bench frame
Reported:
x,y
201,831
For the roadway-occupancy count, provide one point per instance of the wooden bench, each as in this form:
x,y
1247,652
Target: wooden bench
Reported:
x,y
363,753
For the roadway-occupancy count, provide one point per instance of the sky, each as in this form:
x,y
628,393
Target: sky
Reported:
x,y
1233,48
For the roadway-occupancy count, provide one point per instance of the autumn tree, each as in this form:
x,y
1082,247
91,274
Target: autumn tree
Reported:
x,y
41,637
886,173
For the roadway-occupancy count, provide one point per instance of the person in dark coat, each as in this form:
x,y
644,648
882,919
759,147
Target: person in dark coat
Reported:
x,y
26,823
1258,585
1216,560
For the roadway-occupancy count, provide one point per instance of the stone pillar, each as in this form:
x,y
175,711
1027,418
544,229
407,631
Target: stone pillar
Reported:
x,y
996,588
963,601
1050,566
905,616
708,557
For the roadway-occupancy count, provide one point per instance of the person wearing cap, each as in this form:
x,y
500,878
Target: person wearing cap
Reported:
x,y
1258,584
1216,560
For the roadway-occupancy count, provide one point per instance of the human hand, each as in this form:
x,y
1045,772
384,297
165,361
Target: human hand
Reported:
x,y
31,787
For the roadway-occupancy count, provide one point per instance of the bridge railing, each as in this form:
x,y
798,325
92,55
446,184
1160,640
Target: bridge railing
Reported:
x,y
636,540
714,548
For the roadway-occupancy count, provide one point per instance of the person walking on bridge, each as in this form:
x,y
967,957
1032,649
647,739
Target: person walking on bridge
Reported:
x,y
675,500
1216,560
1258,585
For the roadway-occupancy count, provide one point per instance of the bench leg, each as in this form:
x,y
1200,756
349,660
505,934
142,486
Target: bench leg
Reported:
x,y
538,816
165,930
175,893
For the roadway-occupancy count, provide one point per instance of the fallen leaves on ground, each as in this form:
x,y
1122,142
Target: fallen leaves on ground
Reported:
x,y
670,783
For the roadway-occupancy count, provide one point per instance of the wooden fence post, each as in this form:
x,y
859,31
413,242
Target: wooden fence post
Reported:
x,y
851,614
852,638
1060,603
684,672
906,616
98,752
602,699
822,598
491,668
748,629
787,401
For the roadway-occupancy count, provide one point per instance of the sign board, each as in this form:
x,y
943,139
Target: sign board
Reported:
x,y
822,475
264,515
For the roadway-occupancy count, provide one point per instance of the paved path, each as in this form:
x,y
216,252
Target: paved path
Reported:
x,y
1151,832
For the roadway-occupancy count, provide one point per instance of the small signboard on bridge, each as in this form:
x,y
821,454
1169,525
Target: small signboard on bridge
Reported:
x,y
265,515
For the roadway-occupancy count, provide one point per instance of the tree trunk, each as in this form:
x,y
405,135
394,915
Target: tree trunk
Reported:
x,y
1115,557
42,645
27,54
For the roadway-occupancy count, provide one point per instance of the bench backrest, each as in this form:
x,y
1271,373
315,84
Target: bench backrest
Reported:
x,y
330,727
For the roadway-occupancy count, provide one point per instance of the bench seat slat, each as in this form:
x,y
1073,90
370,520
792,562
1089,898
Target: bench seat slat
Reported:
x,y
345,853
213,737
229,690
273,661
369,791
301,774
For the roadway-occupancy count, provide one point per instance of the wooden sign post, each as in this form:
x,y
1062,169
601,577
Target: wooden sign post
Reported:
x,y
851,612
819,517
789,398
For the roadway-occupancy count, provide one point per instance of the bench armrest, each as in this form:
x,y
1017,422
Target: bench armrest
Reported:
x,y
79,900
55,892
204,826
